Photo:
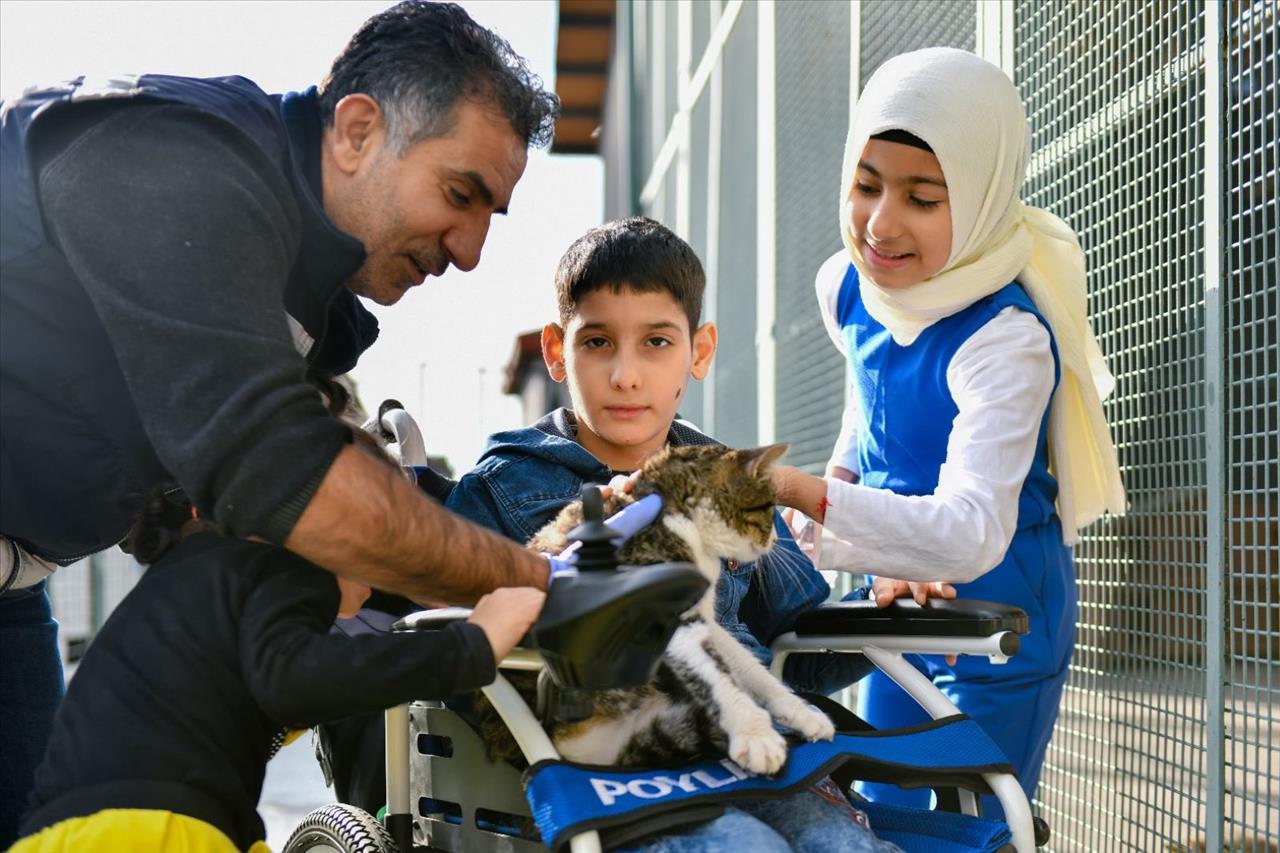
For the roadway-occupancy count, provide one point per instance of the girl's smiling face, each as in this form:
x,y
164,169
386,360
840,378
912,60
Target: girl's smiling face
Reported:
x,y
899,213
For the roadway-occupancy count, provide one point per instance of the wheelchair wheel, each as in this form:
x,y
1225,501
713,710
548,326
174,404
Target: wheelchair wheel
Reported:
x,y
340,828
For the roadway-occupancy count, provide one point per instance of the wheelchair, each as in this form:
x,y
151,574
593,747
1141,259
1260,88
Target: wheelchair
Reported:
x,y
607,627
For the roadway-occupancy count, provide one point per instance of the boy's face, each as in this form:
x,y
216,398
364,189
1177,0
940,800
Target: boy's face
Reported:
x,y
627,357
899,213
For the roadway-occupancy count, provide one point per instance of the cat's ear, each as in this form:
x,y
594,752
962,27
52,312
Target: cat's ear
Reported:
x,y
758,459
553,351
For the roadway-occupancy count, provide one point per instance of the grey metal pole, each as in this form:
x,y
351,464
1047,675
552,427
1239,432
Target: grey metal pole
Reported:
x,y
1215,435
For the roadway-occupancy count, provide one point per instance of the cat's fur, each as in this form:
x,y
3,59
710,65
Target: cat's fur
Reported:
x,y
710,695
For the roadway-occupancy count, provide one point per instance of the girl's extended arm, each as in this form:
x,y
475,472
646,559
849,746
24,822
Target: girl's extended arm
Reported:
x,y
1001,379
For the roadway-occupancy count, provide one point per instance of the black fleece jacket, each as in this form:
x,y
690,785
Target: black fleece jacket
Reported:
x,y
223,645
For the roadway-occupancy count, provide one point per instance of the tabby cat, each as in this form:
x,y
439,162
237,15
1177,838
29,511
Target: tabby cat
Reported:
x,y
709,695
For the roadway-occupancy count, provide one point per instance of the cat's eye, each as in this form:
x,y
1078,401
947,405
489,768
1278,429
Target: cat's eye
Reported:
x,y
760,508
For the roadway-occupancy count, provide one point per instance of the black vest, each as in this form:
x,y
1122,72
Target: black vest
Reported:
x,y
74,459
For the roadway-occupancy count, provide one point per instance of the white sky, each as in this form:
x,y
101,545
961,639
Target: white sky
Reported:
x,y
453,333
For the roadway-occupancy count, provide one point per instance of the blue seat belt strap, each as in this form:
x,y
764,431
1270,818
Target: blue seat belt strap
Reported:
x,y
566,799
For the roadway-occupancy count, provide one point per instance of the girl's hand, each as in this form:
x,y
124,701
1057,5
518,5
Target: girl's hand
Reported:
x,y
835,472
798,490
506,615
886,590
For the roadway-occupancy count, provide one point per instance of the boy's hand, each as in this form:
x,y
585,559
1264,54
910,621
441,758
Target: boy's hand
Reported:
x,y
621,484
505,615
626,522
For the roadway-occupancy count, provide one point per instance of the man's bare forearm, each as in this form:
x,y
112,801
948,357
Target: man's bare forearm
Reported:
x,y
369,523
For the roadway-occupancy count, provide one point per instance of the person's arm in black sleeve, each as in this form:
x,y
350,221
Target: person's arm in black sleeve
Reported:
x,y
183,233
301,675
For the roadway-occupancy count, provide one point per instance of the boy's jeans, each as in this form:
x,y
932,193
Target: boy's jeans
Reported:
x,y
30,689
818,820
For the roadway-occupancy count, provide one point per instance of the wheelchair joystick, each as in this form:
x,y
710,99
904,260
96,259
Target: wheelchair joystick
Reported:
x,y
596,551
606,626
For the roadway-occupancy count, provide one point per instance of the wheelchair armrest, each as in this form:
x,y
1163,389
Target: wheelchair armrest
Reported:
x,y
903,617
432,620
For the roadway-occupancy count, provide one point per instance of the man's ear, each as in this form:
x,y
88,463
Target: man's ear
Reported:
x,y
359,131
553,351
704,349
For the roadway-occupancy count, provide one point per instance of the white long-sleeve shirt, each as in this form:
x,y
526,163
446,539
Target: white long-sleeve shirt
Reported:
x,y
1001,379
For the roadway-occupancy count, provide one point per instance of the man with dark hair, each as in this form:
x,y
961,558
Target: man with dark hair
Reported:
x,y
175,253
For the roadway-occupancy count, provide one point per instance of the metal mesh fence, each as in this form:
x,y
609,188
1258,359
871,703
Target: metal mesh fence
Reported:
x,y
84,594
1115,97
890,27
812,118
1251,274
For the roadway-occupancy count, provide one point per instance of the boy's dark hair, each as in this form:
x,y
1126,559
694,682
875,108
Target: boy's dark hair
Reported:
x,y
418,59
636,253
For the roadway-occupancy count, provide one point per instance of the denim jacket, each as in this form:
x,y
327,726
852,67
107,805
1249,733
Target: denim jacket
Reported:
x,y
525,476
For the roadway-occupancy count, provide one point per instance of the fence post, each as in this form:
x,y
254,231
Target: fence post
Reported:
x,y
98,609
1215,438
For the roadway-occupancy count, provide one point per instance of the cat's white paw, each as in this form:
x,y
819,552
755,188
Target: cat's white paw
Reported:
x,y
757,748
807,721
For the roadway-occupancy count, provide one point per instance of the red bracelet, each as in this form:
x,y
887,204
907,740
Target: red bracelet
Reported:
x,y
823,506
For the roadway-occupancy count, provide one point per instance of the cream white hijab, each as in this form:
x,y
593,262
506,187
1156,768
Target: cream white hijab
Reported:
x,y
970,114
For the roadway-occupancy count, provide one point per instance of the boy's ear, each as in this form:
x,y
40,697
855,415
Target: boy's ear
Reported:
x,y
704,349
553,351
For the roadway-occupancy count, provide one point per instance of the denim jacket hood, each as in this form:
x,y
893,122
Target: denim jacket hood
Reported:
x,y
524,477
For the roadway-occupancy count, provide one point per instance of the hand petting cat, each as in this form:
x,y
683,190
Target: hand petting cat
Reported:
x,y
808,494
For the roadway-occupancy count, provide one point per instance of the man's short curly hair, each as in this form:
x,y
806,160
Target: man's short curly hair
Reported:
x,y
418,59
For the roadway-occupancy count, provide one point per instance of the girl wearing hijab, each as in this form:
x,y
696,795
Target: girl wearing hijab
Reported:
x,y
974,445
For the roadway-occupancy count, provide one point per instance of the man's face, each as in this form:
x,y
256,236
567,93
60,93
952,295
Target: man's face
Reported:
x,y
628,357
419,213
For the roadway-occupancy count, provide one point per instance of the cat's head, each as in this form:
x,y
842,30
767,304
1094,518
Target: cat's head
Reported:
x,y
726,493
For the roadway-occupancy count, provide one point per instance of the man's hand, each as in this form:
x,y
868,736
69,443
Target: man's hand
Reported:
x,y
505,615
370,523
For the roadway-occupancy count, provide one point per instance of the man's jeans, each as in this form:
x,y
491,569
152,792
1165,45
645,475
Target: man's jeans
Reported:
x,y
30,689
818,820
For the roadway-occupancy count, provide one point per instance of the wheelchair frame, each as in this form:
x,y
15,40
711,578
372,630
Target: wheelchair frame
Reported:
x,y
886,652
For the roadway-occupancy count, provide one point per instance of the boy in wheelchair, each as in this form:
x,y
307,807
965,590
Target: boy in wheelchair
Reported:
x,y
627,342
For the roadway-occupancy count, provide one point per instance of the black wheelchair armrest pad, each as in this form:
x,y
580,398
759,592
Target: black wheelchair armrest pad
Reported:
x,y
903,617
432,620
